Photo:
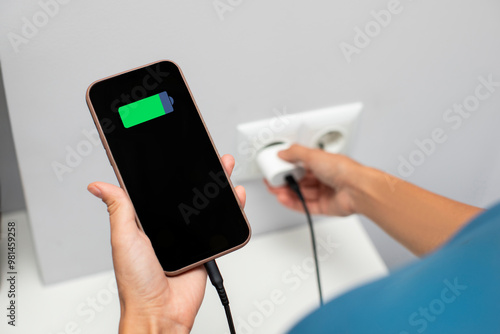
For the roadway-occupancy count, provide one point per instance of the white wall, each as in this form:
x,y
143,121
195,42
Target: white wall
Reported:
x,y
263,55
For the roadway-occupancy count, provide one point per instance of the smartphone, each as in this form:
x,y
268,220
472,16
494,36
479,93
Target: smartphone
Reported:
x,y
166,161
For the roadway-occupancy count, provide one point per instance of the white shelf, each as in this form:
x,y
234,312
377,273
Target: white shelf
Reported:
x,y
268,267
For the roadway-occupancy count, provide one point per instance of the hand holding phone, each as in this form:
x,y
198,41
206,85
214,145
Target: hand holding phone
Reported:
x,y
166,162
147,296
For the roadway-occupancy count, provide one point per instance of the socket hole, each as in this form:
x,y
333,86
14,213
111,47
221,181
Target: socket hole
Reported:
x,y
331,141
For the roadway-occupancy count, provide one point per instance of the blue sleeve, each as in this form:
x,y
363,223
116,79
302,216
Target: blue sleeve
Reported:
x,y
456,289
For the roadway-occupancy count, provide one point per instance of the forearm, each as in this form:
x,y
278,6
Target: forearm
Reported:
x,y
419,219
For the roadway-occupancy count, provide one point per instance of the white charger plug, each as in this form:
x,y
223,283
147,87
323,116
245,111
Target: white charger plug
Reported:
x,y
274,168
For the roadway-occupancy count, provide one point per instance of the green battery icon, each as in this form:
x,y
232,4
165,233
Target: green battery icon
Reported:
x,y
146,109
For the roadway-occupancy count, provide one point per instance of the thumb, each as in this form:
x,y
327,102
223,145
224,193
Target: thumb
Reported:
x,y
297,153
120,208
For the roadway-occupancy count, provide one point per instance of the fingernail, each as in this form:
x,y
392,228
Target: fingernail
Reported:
x,y
95,191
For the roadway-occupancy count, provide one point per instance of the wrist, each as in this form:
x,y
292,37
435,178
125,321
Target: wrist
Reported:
x,y
149,324
364,186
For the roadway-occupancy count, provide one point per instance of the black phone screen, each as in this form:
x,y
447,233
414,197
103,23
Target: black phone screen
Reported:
x,y
168,165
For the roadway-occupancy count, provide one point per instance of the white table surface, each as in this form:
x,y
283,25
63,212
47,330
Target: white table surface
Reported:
x,y
269,282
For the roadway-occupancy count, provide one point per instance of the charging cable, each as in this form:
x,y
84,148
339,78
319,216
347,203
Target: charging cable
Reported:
x,y
292,183
218,283
278,173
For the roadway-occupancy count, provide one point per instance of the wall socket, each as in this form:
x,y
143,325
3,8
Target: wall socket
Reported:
x,y
329,128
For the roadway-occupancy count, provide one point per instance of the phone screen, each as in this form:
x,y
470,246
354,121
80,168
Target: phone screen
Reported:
x,y
168,165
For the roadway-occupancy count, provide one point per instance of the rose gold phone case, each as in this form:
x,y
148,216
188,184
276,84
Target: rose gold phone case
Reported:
x,y
120,180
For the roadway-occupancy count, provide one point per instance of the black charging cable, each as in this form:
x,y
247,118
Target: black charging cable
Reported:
x,y
292,183
218,283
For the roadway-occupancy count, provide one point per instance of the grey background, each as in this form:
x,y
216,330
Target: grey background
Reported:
x,y
263,55
11,194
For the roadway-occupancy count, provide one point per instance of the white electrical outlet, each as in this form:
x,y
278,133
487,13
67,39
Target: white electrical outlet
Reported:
x,y
328,128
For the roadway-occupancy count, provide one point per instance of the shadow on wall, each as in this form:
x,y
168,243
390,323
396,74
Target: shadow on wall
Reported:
x,y
11,192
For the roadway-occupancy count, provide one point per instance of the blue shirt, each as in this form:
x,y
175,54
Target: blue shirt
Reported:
x,y
456,289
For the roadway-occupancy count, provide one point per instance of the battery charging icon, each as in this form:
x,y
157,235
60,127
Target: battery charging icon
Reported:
x,y
146,109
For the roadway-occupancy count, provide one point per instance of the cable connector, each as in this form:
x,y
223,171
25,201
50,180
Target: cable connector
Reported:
x,y
218,282
294,185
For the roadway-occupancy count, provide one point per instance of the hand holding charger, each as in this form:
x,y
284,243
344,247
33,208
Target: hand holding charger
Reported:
x,y
276,170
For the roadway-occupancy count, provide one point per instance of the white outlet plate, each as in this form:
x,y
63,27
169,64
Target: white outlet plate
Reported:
x,y
306,128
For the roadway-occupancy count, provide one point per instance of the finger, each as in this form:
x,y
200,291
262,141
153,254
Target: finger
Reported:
x,y
284,194
308,187
309,178
228,163
241,193
120,208
275,190
297,153
278,191
290,201
287,197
